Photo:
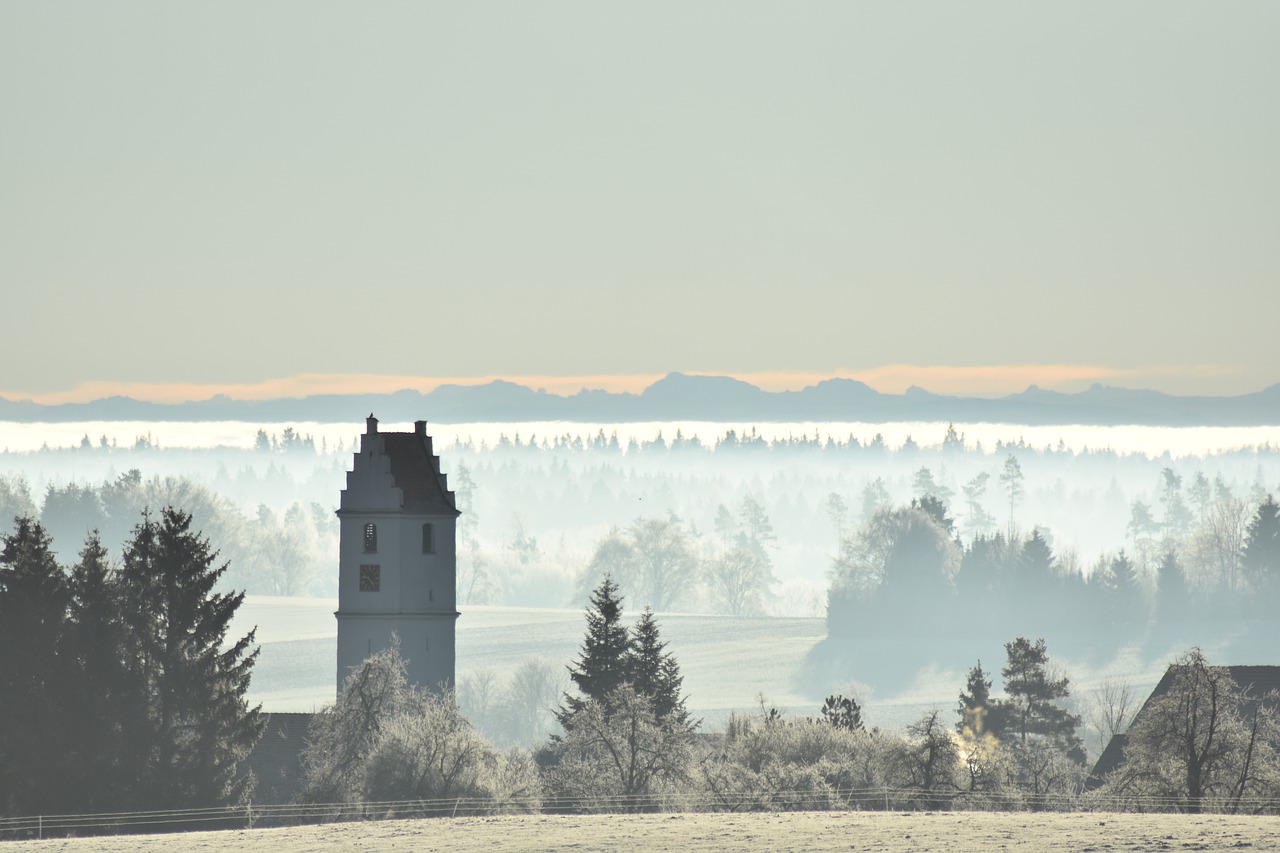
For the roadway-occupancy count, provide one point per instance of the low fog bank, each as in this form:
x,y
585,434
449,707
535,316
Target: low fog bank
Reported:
x,y
908,553
540,501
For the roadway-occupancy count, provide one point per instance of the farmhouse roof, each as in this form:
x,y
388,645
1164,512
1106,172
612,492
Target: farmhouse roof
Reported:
x,y
1255,681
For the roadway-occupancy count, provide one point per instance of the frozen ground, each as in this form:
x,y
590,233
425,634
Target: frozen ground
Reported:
x,y
727,663
955,832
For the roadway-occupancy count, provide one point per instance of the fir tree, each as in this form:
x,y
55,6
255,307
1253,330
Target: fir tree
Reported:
x,y
975,703
604,664
33,619
193,725
101,687
1173,596
653,672
1261,558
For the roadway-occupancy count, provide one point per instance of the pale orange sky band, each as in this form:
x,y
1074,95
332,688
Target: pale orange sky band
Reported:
x,y
978,381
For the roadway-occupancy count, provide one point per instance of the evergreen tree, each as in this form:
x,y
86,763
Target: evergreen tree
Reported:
x,y
655,673
1032,582
33,619
936,508
1127,605
977,520
192,725
1030,711
101,688
975,703
843,712
1173,596
1011,478
603,665
755,525
1261,559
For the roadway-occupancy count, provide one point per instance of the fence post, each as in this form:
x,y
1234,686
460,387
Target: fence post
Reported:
x,y
39,826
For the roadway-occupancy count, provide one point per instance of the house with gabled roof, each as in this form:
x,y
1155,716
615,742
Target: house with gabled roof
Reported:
x,y
1255,682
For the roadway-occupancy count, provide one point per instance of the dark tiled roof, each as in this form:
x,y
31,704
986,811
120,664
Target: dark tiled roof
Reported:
x,y
276,759
416,470
1256,681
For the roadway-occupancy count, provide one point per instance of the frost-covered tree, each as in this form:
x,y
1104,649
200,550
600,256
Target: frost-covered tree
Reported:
x,y
1204,742
383,740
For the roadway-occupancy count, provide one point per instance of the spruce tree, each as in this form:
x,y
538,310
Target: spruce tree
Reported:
x,y
192,724
604,665
974,704
102,685
1261,557
1174,599
33,619
655,673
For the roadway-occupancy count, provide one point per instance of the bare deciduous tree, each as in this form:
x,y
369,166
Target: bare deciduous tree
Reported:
x,y
1113,707
1204,742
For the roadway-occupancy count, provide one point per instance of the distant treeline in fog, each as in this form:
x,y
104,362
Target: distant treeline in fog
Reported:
x,y
741,524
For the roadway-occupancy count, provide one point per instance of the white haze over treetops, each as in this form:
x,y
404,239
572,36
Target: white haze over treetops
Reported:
x,y
225,194
1149,441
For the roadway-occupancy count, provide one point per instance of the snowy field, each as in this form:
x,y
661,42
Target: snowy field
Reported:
x,y
955,832
727,663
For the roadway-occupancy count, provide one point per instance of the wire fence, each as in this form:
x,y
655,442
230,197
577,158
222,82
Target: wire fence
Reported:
x,y
852,799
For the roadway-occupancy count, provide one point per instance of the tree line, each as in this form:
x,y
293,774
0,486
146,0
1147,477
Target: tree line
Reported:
x,y
910,567
268,551
541,503
119,688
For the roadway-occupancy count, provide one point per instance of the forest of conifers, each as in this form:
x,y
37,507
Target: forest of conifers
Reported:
x,y
936,537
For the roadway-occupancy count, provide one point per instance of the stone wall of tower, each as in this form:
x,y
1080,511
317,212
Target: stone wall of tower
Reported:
x,y
400,581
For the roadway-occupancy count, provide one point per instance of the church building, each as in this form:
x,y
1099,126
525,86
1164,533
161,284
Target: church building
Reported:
x,y
397,564
397,571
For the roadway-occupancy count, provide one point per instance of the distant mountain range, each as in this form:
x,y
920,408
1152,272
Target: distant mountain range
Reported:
x,y
697,398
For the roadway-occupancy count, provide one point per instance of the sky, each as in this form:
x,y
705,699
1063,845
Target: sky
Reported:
x,y
281,198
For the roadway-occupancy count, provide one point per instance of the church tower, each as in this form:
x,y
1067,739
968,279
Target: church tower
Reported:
x,y
397,564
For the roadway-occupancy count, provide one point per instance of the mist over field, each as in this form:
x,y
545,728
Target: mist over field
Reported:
x,y
543,501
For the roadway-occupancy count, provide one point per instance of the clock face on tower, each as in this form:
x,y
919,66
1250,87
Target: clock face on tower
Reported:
x,y
370,578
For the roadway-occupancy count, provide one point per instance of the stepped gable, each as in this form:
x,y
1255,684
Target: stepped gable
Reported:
x,y
416,471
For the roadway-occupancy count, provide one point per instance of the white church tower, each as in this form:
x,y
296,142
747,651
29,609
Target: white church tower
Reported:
x,y
397,565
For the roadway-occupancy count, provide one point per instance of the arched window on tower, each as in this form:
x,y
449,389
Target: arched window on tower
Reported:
x,y
428,539
371,538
